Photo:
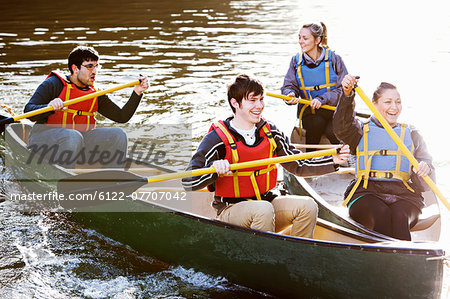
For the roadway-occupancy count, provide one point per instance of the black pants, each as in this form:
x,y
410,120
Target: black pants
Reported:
x,y
394,220
318,124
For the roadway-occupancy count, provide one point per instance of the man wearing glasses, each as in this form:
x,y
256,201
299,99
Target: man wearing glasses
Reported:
x,y
67,135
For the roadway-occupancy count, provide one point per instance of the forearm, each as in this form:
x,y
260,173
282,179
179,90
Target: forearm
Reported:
x,y
46,92
307,167
290,83
210,149
109,109
199,182
311,167
345,125
331,97
422,155
40,118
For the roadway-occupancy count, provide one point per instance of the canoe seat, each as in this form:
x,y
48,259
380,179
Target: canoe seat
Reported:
x,y
286,231
428,217
22,130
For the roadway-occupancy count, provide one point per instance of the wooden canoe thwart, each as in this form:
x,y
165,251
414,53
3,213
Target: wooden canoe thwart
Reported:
x,y
343,260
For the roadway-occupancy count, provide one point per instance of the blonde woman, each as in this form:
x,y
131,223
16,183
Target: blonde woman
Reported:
x,y
315,74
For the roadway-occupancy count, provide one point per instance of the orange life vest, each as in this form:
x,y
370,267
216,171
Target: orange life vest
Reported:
x,y
79,116
249,182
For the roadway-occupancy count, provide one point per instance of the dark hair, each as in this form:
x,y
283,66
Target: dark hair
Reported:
x,y
241,87
80,54
380,89
318,31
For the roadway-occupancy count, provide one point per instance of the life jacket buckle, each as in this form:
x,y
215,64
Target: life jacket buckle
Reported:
x,y
317,87
269,134
233,146
80,112
388,175
257,172
383,152
372,174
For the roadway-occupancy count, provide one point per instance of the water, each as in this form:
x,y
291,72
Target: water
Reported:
x,y
190,50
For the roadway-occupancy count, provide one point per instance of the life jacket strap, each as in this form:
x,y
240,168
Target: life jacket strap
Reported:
x,y
273,146
253,175
317,87
350,195
327,70
80,112
305,89
234,156
64,120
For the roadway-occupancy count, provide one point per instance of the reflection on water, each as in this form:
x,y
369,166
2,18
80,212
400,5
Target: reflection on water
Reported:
x,y
190,50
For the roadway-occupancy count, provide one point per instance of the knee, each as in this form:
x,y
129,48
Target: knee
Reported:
x,y
400,215
72,139
383,212
119,136
118,139
263,209
308,206
262,216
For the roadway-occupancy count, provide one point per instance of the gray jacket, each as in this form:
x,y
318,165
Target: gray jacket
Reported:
x,y
290,83
349,129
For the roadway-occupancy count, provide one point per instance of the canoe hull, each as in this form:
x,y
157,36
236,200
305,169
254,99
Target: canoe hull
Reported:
x,y
280,265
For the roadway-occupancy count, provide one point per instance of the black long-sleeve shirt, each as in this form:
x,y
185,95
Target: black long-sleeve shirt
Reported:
x,y
51,88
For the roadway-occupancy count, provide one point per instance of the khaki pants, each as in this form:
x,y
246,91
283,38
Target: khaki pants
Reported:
x,y
300,211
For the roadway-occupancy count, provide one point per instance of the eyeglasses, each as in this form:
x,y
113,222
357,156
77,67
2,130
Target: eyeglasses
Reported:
x,y
90,67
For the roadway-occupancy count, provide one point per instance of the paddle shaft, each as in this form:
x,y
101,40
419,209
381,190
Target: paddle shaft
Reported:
x,y
317,146
307,102
127,182
76,100
400,144
243,165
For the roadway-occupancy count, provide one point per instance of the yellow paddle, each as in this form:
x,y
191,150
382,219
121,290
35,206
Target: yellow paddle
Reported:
x,y
317,146
244,165
127,182
307,102
400,144
8,120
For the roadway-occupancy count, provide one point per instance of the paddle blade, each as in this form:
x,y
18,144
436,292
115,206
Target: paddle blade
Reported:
x,y
4,120
94,188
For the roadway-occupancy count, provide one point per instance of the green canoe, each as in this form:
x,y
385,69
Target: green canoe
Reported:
x,y
339,262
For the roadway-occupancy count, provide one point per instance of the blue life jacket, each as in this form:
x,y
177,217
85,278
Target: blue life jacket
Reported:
x,y
378,157
315,81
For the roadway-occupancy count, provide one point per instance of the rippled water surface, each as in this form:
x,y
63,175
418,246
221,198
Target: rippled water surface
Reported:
x,y
190,50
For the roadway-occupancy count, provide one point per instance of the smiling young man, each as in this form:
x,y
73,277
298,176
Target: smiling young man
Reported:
x,y
61,135
244,197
